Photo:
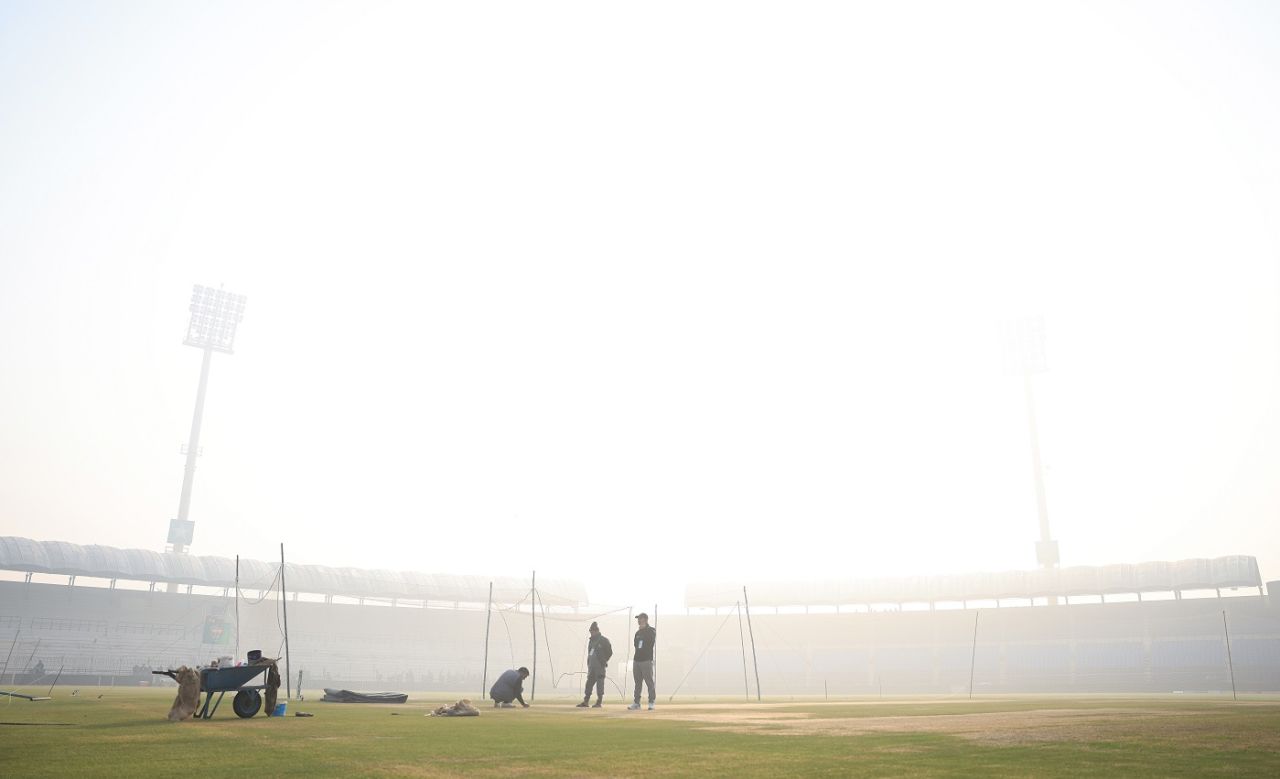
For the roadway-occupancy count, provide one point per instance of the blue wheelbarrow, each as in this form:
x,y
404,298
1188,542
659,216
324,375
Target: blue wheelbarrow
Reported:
x,y
247,701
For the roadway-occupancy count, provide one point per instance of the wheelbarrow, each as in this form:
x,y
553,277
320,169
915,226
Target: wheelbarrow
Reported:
x,y
247,700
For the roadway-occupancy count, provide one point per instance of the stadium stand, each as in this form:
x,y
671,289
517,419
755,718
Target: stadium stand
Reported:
x,y
428,632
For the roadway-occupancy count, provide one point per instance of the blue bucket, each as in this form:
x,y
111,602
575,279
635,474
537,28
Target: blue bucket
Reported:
x,y
279,712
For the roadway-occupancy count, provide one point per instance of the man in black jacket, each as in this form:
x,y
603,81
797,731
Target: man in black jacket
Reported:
x,y
509,687
646,638
599,650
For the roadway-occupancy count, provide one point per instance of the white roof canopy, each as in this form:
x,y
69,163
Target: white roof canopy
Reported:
x,y
1194,574
59,557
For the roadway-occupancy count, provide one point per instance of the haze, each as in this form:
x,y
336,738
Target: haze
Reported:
x,y
644,294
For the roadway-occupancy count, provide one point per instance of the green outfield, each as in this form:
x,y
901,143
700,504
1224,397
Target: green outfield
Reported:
x,y
124,733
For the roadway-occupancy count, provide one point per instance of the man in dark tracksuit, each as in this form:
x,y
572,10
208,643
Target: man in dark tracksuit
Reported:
x,y
599,650
646,638
508,688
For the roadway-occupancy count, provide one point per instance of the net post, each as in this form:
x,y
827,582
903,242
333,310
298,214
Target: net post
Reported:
x,y
488,615
284,602
1230,665
754,660
533,621
973,656
626,664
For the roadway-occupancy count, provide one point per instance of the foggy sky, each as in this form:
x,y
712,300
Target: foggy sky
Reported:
x,y
641,294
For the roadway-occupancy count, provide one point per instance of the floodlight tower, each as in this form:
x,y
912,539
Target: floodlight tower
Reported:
x,y
214,316
1025,355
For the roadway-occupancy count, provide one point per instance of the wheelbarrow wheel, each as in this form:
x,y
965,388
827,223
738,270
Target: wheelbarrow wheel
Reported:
x,y
246,703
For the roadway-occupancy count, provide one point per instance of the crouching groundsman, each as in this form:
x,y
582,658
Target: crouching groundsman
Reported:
x,y
599,650
509,687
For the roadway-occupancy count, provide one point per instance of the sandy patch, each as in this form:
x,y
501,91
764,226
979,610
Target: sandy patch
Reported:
x,y
1010,728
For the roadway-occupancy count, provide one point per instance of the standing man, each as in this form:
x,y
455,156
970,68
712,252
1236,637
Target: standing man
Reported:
x,y
599,650
646,638
509,687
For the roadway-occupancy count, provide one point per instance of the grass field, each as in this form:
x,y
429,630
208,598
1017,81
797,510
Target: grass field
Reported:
x,y
124,733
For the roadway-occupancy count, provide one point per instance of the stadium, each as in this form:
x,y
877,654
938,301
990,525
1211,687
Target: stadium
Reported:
x,y
686,389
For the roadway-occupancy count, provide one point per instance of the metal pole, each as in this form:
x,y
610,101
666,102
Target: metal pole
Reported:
x,y
533,620
284,600
6,659
1230,665
32,656
193,445
488,615
973,657
746,686
655,649
626,663
237,607
59,676
754,660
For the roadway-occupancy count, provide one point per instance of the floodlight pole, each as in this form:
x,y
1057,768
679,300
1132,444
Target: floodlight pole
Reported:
x,y
1042,502
193,444
1046,550
1025,344
214,317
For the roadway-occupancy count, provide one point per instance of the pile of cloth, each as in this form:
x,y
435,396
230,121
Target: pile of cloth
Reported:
x,y
188,699
462,708
273,681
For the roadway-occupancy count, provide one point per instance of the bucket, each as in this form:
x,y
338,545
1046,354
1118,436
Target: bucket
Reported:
x,y
279,712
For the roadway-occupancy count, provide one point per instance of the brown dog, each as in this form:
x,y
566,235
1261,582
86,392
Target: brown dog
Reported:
x,y
188,699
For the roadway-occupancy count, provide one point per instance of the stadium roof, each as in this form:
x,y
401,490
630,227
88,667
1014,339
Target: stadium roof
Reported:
x,y
106,562
1195,574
